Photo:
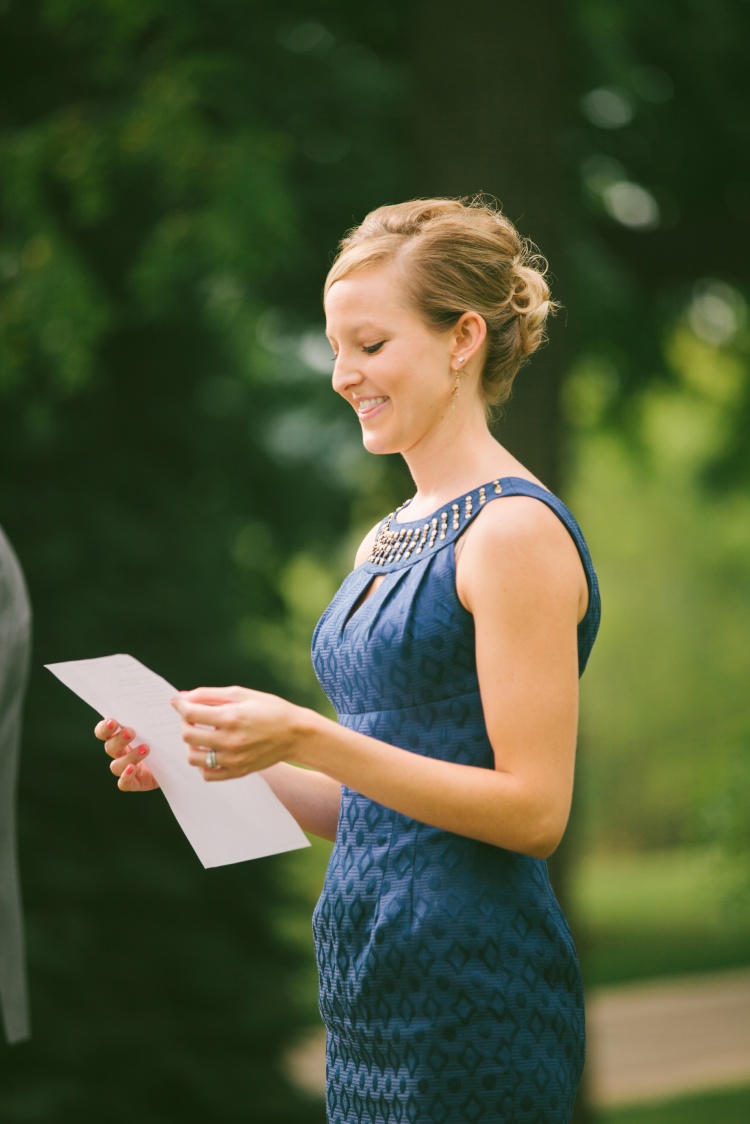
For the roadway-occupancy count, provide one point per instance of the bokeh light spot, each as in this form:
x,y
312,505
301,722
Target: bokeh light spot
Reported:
x,y
608,107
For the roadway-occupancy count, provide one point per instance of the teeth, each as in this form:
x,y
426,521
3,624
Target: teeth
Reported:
x,y
367,403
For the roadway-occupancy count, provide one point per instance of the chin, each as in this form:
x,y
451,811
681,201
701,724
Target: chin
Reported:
x,y
378,445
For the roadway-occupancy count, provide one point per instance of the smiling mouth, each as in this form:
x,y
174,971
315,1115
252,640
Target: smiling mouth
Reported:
x,y
366,406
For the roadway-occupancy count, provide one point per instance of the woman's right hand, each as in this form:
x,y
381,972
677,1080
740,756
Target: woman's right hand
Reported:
x,y
128,763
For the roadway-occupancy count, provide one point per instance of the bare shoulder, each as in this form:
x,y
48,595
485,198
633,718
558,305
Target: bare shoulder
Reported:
x,y
520,542
365,547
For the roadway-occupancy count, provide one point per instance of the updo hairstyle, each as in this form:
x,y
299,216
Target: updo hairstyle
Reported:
x,y
458,256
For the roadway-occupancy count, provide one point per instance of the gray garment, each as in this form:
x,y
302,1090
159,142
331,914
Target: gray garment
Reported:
x,y
15,650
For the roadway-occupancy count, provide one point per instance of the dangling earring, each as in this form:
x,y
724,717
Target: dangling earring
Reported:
x,y
456,385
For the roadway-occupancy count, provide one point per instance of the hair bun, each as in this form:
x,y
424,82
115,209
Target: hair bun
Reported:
x,y
457,255
530,300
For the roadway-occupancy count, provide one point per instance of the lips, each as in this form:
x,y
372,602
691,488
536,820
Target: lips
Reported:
x,y
366,407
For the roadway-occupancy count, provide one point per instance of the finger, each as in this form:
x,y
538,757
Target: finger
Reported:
x,y
119,743
227,772
202,736
208,716
105,728
197,757
214,696
121,764
130,781
217,774
137,778
205,704
206,713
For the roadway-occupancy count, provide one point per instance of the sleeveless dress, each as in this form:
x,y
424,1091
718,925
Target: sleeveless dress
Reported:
x,y
449,983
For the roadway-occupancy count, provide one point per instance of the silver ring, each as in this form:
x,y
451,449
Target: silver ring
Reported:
x,y
211,759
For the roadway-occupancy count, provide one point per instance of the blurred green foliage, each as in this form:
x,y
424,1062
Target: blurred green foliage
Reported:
x,y
180,483
731,1107
159,225
663,162
665,713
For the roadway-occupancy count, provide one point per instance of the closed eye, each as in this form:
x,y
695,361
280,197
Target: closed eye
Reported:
x,y
373,348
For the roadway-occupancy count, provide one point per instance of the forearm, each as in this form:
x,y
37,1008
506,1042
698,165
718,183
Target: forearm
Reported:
x,y
484,804
312,797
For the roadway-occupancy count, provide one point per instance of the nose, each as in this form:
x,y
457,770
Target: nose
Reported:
x,y
345,375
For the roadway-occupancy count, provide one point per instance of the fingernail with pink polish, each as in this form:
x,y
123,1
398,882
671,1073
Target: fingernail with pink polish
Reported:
x,y
129,770
111,725
142,750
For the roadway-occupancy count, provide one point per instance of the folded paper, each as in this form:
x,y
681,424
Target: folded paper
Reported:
x,y
225,821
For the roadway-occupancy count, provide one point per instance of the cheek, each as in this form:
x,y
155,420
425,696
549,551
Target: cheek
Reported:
x,y
434,365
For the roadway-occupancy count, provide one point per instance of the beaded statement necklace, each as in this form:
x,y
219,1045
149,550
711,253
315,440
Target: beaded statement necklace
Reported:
x,y
393,545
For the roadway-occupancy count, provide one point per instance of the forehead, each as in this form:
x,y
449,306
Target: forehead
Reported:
x,y
364,299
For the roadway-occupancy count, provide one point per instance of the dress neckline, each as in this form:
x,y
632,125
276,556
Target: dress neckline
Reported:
x,y
399,544
449,505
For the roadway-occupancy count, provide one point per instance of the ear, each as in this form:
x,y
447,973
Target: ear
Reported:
x,y
468,336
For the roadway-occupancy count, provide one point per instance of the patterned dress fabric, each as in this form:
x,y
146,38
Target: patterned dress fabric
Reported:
x,y
449,983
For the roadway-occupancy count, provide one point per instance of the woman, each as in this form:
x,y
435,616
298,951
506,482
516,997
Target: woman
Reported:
x,y
449,984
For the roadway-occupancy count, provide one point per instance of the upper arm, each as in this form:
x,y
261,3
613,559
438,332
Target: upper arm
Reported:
x,y
520,575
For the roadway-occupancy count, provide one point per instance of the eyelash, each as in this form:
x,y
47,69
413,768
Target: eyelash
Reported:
x,y
373,349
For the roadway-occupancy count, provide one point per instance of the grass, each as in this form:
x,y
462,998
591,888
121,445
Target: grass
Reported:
x,y
731,1106
640,916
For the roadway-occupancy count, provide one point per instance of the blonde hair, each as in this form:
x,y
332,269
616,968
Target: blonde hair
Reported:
x,y
460,255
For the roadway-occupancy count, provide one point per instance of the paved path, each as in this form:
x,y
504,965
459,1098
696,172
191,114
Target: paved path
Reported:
x,y
669,1037
645,1041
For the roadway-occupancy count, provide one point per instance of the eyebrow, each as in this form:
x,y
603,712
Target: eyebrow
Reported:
x,y
363,326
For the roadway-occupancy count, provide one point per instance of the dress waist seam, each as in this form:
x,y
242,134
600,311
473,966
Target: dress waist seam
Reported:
x,y
413,706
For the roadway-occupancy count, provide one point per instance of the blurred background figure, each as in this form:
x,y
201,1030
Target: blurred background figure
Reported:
x,y
15,647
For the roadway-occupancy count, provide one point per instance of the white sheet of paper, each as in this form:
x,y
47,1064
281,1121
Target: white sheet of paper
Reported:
x,y
225,821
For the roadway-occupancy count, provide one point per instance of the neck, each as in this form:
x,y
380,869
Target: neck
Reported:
x,y
457,457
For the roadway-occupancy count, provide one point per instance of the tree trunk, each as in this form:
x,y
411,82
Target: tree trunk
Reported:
x,y
492,107
491,111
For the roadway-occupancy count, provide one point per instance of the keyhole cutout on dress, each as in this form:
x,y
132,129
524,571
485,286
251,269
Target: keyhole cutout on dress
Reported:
x,y
368,591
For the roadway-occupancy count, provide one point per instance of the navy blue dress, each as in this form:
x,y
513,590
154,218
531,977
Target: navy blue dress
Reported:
x,y
449,983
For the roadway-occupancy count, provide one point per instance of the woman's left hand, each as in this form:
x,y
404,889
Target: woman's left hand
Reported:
x,y
247,730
